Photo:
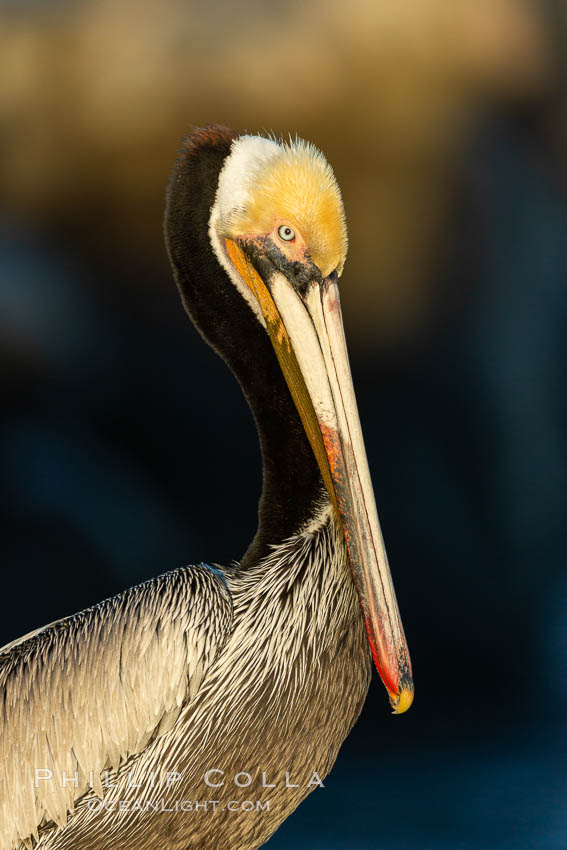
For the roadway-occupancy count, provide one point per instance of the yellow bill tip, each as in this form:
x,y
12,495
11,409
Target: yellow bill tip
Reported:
x,y
402,701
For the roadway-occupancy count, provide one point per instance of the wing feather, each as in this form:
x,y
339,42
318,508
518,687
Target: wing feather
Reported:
x,y
85,693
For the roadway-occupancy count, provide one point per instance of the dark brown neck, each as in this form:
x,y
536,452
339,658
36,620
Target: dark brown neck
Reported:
x,y
292,485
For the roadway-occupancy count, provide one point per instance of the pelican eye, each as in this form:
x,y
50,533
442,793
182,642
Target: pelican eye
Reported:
x,y
286,233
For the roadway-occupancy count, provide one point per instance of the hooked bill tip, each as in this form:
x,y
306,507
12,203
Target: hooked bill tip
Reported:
x,y
402,701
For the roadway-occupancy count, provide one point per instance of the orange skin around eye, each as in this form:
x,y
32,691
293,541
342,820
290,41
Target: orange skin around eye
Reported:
x,y
294,249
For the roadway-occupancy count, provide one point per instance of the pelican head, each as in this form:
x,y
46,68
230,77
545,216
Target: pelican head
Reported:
x,y
277,226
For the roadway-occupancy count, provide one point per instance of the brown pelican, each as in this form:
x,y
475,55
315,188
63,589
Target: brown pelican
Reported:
x,y
198,709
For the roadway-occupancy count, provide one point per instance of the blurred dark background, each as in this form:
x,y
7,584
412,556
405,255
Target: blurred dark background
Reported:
x,y
446,126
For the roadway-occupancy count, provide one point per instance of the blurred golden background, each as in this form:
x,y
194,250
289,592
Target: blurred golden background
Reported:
x,y
445,122
95,96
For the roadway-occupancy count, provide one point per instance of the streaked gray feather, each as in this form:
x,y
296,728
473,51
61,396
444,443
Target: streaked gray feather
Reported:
x,y
85,693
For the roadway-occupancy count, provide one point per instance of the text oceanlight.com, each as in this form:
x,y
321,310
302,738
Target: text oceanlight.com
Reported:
x,y
191,806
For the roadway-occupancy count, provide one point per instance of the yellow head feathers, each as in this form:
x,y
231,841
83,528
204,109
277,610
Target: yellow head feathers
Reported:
x,y
263,181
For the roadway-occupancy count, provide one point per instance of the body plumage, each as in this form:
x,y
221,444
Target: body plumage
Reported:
x,y
252,730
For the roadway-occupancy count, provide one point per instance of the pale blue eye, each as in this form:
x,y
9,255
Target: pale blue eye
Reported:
x,y
286,233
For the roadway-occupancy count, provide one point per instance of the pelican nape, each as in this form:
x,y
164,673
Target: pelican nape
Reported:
x,y
253,671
